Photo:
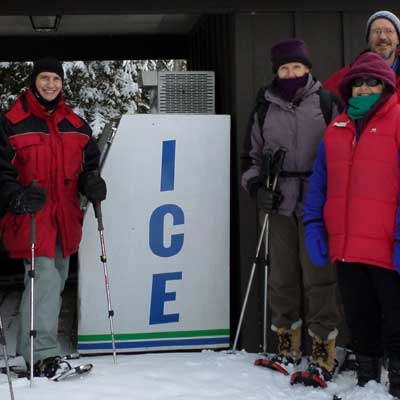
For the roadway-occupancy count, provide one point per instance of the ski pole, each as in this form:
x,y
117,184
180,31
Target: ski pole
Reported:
x,y
103,258
266,170
3,343
277,165
266,244
32,332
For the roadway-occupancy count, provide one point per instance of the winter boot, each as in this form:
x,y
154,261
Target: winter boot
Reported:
x,y
394,376
289,352
368,369
322,363
47,367
289,344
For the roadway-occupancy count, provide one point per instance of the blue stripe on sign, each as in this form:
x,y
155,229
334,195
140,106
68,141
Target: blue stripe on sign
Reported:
x,y
168,166
153,343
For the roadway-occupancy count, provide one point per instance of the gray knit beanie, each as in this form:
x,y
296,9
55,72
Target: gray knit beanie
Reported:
x,y
386,15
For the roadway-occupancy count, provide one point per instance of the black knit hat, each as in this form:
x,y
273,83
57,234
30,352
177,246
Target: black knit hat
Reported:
x,y
291,50
47,64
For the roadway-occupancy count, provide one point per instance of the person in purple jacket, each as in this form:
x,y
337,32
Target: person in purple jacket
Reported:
x,y
352,214
294,119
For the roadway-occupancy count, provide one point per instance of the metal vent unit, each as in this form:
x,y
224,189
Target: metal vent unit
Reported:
x,y
186,92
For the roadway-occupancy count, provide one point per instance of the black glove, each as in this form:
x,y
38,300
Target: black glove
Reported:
x,y
268,200
253,185
28,200
92,185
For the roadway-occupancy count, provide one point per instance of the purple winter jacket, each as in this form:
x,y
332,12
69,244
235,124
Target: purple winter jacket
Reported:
x,y
299,126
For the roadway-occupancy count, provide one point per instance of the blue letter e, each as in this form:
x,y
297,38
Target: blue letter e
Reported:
x,y
159,296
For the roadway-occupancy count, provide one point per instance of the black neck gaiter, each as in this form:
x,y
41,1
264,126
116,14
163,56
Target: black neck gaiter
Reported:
x,y
287,88
49,105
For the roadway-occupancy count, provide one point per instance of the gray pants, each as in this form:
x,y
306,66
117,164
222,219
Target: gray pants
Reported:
x,y
50,277
292,276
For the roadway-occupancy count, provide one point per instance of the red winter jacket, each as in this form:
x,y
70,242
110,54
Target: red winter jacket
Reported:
x,y
52,149
363,187
333,82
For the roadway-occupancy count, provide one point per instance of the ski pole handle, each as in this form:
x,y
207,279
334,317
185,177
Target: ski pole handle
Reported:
x,y
266,167
98,215
33,229
279,159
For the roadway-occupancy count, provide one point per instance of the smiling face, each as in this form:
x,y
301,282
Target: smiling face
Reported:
x,y
383,39
292,70
49,85
366,87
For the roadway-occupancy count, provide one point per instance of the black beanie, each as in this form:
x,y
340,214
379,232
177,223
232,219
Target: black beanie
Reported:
x,y
291,50
47,64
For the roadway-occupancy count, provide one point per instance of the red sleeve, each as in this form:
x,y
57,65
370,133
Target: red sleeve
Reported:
x,y
333,82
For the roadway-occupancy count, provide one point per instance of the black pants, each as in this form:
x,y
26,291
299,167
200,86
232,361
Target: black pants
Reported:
x,y
371,300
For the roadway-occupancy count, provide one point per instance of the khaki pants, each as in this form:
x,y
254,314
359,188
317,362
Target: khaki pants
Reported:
x,y
50,277
292,276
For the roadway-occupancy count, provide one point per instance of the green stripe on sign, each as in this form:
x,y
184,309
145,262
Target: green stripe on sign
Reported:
x,y
154,335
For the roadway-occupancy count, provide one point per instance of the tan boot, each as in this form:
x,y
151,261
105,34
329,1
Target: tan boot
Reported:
x,y
324,353
289,343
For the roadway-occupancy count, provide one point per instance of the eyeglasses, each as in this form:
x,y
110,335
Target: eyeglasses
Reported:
x,y
386,31
372,82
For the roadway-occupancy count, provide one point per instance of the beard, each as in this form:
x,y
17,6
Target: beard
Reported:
x,y
387,52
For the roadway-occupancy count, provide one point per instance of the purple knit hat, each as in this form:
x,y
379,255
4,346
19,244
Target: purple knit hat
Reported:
x,y
287,51
367,65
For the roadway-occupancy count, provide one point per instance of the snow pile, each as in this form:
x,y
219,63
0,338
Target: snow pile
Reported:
x,y
185,376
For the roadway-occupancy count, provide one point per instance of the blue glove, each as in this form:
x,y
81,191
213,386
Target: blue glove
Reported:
x,y
316,243
396,255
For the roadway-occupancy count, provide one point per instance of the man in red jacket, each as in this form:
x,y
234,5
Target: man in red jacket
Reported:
x,y
382,36
47,157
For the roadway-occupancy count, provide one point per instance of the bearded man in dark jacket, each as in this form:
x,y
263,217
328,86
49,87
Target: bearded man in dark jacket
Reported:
x,y
47,157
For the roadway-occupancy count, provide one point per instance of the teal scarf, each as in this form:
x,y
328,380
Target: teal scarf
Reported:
x,y
360,105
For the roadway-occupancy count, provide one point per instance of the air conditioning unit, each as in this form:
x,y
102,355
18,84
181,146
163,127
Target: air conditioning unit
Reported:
x,y
191,92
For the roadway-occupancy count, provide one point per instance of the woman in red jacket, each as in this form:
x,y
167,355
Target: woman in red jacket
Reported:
x,y
353,204
47,156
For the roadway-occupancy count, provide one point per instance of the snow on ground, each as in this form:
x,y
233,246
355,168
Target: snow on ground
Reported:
x,y
185,376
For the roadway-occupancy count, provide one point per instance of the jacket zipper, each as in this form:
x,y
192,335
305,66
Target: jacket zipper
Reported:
x,y
346,218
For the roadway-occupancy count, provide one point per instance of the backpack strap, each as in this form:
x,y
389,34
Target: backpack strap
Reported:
x,y
262,106
326,100
260,111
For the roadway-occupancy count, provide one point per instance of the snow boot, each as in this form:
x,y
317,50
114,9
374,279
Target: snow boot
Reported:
x,y
289,352
346,359
322,363
368,369
394,376
48,367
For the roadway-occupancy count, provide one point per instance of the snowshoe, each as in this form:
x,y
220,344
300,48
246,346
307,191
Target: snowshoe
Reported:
x,y
278,363
54,368
271,364
307,378
314,376
72,371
